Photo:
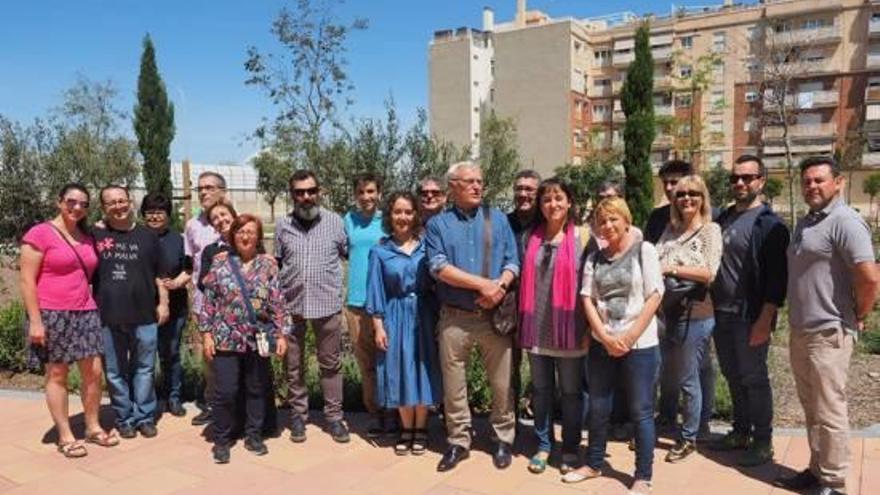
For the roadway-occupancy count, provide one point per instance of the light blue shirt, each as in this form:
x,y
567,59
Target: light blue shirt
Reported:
x,y
363,233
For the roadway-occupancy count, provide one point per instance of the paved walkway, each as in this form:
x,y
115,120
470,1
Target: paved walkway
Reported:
x,y
178,461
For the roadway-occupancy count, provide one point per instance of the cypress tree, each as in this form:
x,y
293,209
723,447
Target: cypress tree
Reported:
x,y
637,100
154,123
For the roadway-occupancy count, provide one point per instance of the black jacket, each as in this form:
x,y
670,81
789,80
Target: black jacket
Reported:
x,y
765,273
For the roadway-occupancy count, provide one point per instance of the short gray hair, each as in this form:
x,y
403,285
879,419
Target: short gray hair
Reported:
x,y
427,180
459,166
216,175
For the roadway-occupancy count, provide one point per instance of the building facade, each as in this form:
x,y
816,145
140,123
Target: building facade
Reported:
x,y
774,78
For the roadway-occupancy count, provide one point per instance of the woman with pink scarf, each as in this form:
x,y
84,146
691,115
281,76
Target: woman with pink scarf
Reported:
x,y
552,329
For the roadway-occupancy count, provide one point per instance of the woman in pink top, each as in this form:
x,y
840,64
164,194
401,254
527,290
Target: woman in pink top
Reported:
x,y
57,262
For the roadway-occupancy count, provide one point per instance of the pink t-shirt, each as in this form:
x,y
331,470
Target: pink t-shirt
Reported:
x,y
61,283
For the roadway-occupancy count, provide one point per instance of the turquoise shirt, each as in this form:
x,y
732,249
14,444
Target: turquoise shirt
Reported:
x,y
363,233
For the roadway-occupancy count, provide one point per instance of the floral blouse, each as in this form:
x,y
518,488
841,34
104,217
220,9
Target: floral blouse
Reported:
x,y
224,313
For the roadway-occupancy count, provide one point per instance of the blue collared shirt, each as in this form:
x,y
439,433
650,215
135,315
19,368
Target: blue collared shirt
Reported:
x,y
455,237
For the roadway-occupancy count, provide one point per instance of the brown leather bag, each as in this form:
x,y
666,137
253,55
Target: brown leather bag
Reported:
x,y
504,316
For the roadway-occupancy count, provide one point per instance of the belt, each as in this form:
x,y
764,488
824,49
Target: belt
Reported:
x,y
479,313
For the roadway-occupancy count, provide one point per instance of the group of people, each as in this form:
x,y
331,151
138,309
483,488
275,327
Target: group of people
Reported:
x,y
606,313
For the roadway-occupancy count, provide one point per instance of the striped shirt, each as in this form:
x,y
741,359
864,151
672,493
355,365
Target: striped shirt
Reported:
x,y
197,235
311,264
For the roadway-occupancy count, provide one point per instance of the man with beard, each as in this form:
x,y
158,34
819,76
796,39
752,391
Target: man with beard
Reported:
x,y
310,244
747,293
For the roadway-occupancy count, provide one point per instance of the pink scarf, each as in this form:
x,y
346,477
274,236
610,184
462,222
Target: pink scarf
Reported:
x,y
564,292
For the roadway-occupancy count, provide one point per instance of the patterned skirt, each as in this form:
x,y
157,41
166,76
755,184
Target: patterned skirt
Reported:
x,y
70,337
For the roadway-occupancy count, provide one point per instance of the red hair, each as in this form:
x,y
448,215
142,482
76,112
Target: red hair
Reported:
x,y
239,222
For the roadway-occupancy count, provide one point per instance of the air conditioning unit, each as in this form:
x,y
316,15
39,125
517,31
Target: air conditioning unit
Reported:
x,y
752,96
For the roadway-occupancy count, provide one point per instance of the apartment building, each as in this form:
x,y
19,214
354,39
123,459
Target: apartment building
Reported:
x,y
717,76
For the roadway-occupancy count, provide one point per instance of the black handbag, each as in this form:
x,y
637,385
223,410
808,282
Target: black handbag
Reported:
x,y
504,317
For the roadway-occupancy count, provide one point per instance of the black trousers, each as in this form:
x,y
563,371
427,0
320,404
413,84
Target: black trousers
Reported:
x,y
236,375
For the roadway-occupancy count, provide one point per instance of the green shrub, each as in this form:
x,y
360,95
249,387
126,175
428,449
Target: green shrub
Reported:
x,y
870,341
12,342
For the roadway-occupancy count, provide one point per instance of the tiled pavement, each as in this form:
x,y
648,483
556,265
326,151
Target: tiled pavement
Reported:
x,y
178,461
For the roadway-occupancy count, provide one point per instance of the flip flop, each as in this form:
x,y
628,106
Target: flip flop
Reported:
x,y
538,462
73,450
103,438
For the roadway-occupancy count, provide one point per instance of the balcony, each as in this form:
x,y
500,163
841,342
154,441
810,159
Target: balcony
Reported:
x,y
616,86
872,94
664,110
662,83
825,130
601,117
619,116
825,34
623,59
602,91
661,54
807,100
662,141
873,60
874,27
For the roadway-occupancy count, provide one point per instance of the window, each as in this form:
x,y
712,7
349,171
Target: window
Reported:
x,y
817,23
578,46
716,125
685,71
752,33
476,57
715,159
492,66
719,41
685,130
717,99
492,95
683,100
602,57
601,83
687,42
718,70
752,96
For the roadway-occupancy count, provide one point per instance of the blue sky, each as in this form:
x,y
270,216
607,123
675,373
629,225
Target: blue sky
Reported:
x,y
201,45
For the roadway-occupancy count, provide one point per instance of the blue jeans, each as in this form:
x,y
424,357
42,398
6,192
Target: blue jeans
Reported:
x,y
748,379
544,370
129,364
685,350
638,371
669,391
169,358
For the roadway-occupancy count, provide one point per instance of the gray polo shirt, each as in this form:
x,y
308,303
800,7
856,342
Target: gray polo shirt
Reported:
x,y
826,245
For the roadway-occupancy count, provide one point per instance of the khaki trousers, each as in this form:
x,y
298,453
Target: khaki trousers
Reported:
x,y
458,332
820,362
363,344
328,341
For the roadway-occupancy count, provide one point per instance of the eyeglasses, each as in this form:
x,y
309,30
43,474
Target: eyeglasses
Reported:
x,y
116,202
209,188
311,191
525,189
746,178
158,214
468,182
688,194
246,233
71,203
430,192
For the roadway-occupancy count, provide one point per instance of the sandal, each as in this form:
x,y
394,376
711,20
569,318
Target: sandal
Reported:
x,y
103,438
73,450
538,462
404,442
419,441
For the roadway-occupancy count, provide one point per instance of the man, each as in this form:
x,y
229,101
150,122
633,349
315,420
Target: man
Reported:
x,y
363,227
747,292
455,251
832,286
525,201
310,244
132,299
197,235
670,173
432,197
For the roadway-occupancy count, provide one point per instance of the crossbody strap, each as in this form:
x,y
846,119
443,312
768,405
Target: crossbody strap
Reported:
x,y
487,240
82,264
236,270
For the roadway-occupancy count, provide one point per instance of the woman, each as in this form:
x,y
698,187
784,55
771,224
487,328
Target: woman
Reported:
x,y
407,370
689,249
551,326
156,212
230,334
621,291
221,215
57,262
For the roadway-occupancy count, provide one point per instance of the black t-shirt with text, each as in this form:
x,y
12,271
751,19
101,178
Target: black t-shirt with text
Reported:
x,y
125,286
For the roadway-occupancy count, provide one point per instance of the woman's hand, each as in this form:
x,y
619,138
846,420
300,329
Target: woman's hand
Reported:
x,y
37,333
208,346
381,339
280,345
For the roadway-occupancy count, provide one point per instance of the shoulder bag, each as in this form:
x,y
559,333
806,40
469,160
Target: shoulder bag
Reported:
x,y
504,316
263,332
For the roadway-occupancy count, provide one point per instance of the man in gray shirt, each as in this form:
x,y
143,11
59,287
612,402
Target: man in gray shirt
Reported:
x,y
832,288
748,290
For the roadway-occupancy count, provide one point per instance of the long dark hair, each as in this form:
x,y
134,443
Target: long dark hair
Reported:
x,y
545,187
83,223
389,205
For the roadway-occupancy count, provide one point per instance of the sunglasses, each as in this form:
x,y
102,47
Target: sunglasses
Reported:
x,y
311,191
71,203
746,178
688,194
